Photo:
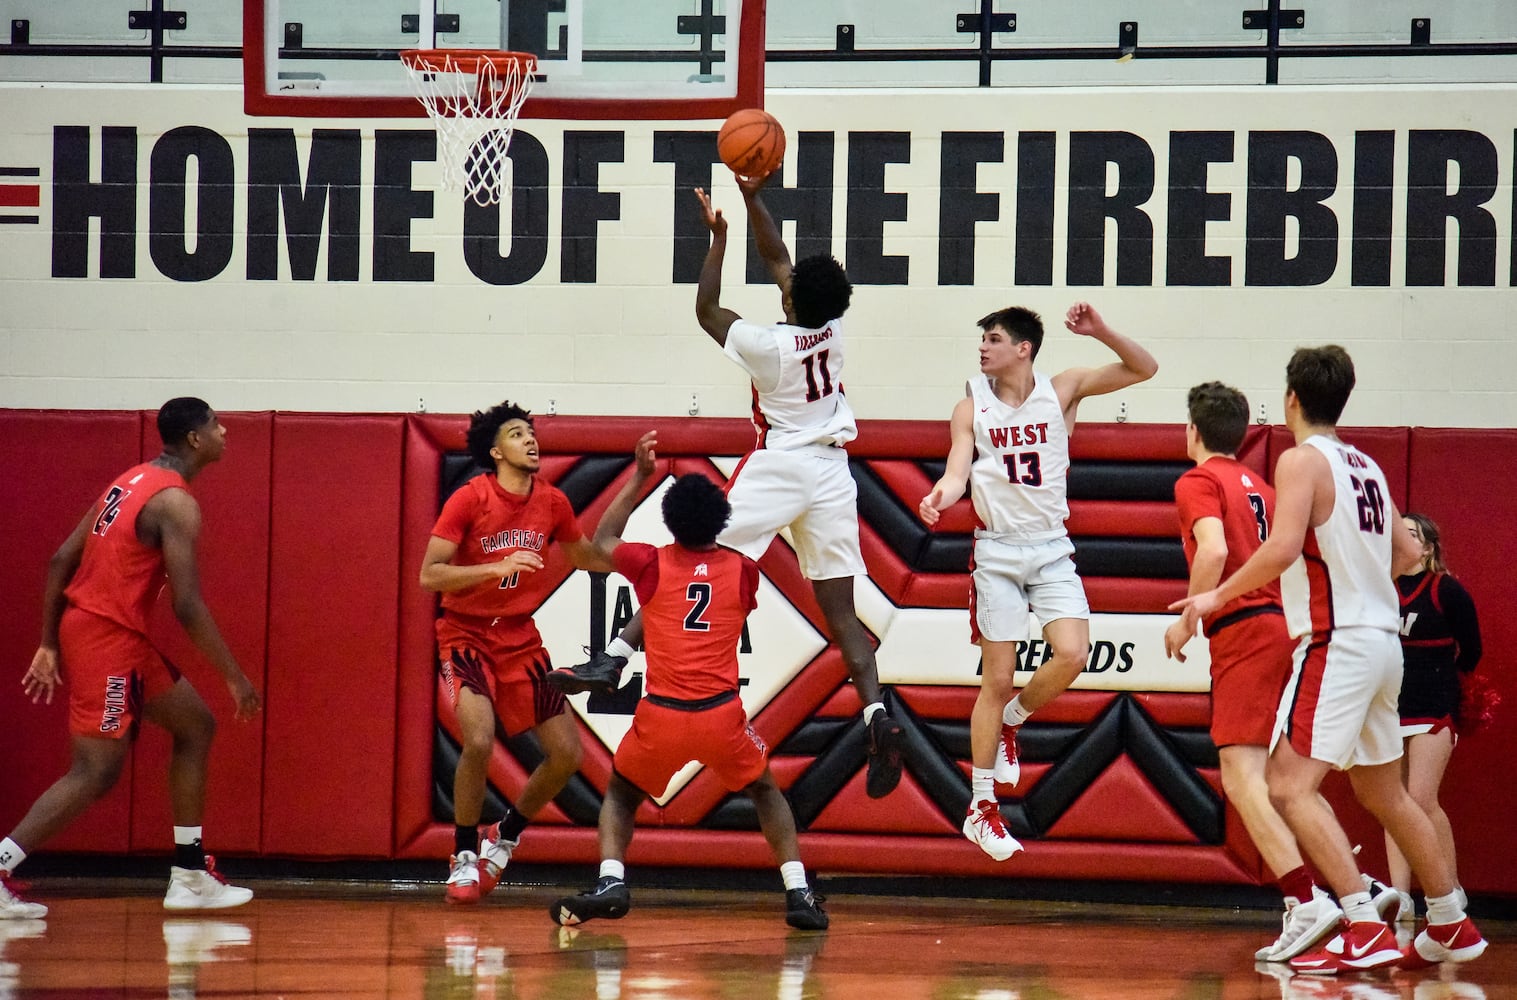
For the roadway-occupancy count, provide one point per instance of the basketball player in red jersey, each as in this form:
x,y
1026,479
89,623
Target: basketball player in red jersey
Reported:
x,y
1225,510
797,475
101,585
483,557
1336,545
695,596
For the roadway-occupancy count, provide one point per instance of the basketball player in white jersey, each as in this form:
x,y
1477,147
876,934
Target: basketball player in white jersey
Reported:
x,y
1337,544
1010,445
797,475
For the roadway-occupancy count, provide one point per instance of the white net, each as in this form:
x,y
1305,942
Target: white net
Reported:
x,y
473,98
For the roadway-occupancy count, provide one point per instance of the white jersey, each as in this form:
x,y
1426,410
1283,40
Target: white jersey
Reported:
x,y
1343,577
797,378
1018,479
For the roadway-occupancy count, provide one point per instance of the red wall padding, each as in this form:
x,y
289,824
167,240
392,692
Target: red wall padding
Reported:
x,y
314,529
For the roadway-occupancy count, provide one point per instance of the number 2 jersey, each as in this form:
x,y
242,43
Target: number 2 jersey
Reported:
x,y
797,376
1018,479
119,577
694,603
1236,495
1343,577
487,523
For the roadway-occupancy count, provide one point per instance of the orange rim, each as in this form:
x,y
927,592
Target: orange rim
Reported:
x,y
466,60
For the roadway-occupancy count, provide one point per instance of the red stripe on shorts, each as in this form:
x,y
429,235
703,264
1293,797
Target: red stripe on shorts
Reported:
x,y
1303,715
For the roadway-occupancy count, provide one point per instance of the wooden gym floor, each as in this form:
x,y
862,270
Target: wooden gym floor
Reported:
x,y
107,938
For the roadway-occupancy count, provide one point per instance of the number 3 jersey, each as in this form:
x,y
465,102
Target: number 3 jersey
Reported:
x,y
487,523
797,376
1021,463
694,603
1237,496
1343,578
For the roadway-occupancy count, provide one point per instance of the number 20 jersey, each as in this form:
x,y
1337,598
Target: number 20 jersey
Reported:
x,y
1343,578
1021,463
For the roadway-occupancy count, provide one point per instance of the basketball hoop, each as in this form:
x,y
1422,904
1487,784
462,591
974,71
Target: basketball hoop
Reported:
x,y
473,97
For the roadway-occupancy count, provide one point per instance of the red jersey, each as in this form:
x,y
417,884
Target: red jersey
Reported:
x,y
694,605
118,576
1236,495
487,524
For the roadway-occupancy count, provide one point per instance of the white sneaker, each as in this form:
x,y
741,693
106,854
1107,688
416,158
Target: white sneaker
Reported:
x,y
494,855
1008,765
1303,926
196,889
192,941
13,907
463,878
985,827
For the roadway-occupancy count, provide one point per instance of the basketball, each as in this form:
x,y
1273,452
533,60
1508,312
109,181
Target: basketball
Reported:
x,y
751,142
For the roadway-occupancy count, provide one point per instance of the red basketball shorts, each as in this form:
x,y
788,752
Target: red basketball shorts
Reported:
x,y
112,671
1250,664
491,661
663,740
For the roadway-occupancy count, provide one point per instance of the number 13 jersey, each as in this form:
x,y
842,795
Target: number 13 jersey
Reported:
x,y
1021,465
1343,578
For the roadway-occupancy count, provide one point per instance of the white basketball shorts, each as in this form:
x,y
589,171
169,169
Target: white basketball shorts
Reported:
x,y
1013,578
1339,706
809,491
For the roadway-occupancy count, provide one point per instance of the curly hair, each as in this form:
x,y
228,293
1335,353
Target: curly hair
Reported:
x,y
484,425
695,510
819,291
179,416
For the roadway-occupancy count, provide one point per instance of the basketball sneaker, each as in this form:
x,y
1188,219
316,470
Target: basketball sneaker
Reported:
x,y
194,941
1393,905
1303,925
884,756
202,889
803,910
1008,767
985,827
12,906
610,899
494,854
1458,942
1360,945
463,878
601,674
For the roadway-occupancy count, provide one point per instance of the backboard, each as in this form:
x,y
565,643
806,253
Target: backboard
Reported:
x,y
597,59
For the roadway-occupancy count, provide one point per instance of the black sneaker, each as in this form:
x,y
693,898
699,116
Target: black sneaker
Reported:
x,y
803,910
884,756
601,674
609,899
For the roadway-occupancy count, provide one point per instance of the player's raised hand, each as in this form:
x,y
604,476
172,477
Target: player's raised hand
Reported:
x,y
646,454
1082,319
712,217
750,185
42,676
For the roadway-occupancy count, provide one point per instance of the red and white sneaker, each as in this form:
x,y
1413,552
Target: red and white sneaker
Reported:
x,y
985,827
12,906
463,878
1363,944
494,855
1008,769
1459,942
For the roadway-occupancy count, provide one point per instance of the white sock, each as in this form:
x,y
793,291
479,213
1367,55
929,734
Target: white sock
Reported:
x,y
1444,909
187,835
620,647
614,869
871,709
1014,714
1358,907
794,874
11,855
982,784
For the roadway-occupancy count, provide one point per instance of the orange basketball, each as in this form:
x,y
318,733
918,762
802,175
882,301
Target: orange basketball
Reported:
x,y
751,142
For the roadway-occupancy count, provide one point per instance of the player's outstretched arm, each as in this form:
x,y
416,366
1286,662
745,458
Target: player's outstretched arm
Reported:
x,y
947,490
766,234
614,521
715,320
178,519
1134,363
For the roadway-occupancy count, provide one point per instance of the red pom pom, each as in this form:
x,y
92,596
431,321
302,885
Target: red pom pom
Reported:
x,y
1478,701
